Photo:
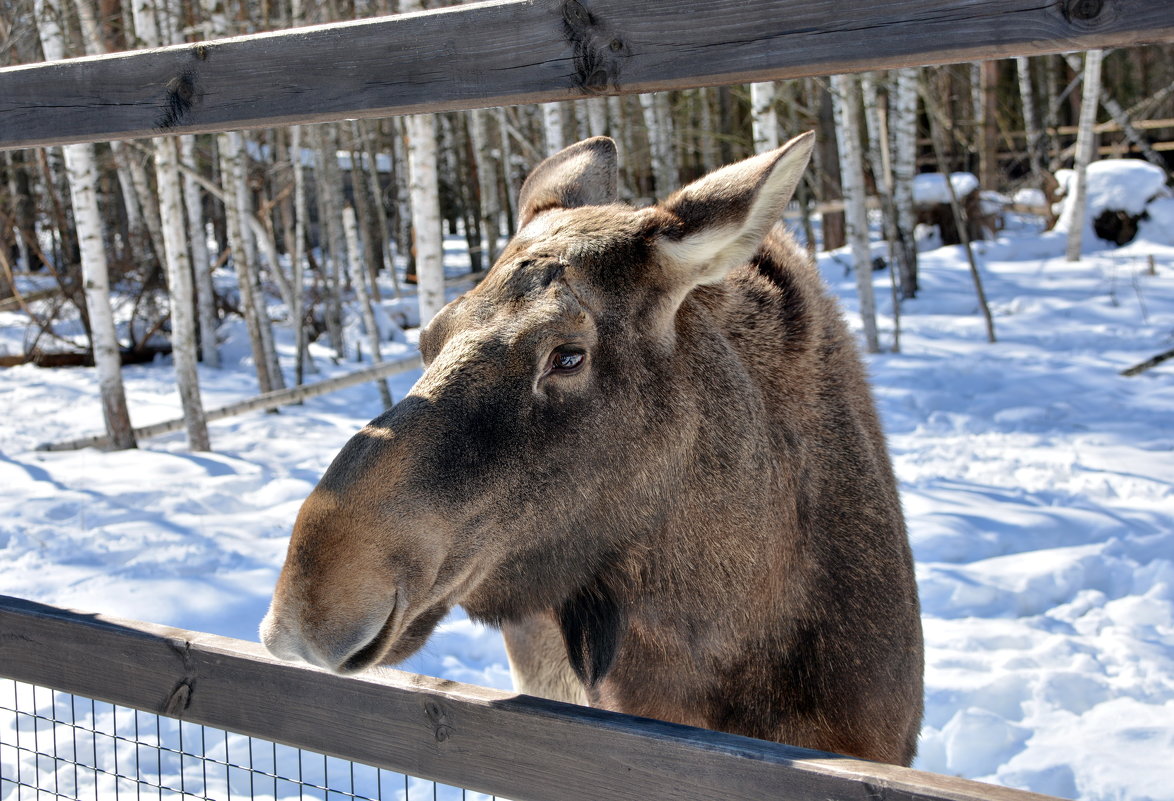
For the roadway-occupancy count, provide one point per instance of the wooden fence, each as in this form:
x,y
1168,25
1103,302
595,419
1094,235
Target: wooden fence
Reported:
x,y
486,740
491,53
522,51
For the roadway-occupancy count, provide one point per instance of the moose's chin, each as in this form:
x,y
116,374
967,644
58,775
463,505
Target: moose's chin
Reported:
x,y
394,642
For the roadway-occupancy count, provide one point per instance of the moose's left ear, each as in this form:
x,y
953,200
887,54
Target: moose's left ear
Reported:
x,y
584,174
717,222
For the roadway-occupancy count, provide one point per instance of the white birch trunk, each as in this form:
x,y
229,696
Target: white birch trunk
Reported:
x,y
231,149
764,122
328,182
297,313
552,127
904,127
597,116
659,123
1076,210
426,214
387,255
201,259
846,106
360,277
707,143
82,175
487,181
175,257
1030,116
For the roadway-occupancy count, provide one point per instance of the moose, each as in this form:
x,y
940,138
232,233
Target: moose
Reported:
x,y
645,447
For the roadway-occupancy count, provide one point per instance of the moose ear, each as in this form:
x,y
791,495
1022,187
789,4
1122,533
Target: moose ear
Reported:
x,y
584,174
718,222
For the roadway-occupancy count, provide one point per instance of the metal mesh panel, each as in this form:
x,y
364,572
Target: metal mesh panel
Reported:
x,y
58,745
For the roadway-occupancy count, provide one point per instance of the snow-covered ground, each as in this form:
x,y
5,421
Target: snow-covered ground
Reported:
x,y
1036,480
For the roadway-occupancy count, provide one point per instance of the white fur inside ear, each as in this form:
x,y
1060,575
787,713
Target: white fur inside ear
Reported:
x,y
703,253
706,254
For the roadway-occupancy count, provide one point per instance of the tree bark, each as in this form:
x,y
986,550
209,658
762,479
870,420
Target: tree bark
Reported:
x,y
764,122
904,126
202,261
659,124
360,279
846,103
1085,146
426,227
179,277
82,172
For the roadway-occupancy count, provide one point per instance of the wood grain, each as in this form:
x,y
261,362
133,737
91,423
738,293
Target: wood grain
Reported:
x,y
487,740
520,51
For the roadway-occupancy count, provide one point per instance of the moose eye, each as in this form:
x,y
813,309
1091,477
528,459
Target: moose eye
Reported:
x,y
566,361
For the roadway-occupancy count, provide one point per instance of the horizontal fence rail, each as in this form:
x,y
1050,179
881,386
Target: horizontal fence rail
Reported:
x,y
522,51
486,740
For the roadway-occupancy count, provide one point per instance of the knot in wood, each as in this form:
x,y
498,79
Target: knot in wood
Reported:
x,y
179,100
598,51
1083,10
441,729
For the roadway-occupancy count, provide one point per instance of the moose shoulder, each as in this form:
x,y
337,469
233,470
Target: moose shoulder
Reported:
x,y
645,447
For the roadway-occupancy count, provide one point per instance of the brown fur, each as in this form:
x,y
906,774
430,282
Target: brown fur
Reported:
x,y
703,513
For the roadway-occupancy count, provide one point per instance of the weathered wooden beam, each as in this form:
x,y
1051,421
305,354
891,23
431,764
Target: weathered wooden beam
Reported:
x,y
482,739
520,51
266,400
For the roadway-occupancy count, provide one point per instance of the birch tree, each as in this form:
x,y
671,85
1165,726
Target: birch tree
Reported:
x,y
361,280
1076,210
179,279
552,127
201,259
904,137
764,122
658,121
425,194
846,106
82,173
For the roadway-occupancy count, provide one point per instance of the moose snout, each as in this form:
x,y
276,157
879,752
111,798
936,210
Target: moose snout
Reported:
x,y
338,645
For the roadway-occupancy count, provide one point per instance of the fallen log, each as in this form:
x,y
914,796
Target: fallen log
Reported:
x,y
268,400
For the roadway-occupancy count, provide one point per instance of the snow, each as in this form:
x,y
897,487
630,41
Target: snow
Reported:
x,y
1127,185
1037,483
929,188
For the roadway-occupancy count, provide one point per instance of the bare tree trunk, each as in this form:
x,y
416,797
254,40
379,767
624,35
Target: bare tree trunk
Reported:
x,y
936,125
846,103
707,136
426,215
82,171
764,122
360,278
904,125
1075,208
179,277
487,180
597,116
1030,118
298,313
659,124
202,262
552,127
827,162
1121,117
387,253
231,149
330,237
988,149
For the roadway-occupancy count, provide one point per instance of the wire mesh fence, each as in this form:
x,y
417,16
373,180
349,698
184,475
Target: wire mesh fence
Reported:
x,y
55,745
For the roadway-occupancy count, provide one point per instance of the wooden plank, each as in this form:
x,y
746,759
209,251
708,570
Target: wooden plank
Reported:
x,y
266,400
521,51
487,740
